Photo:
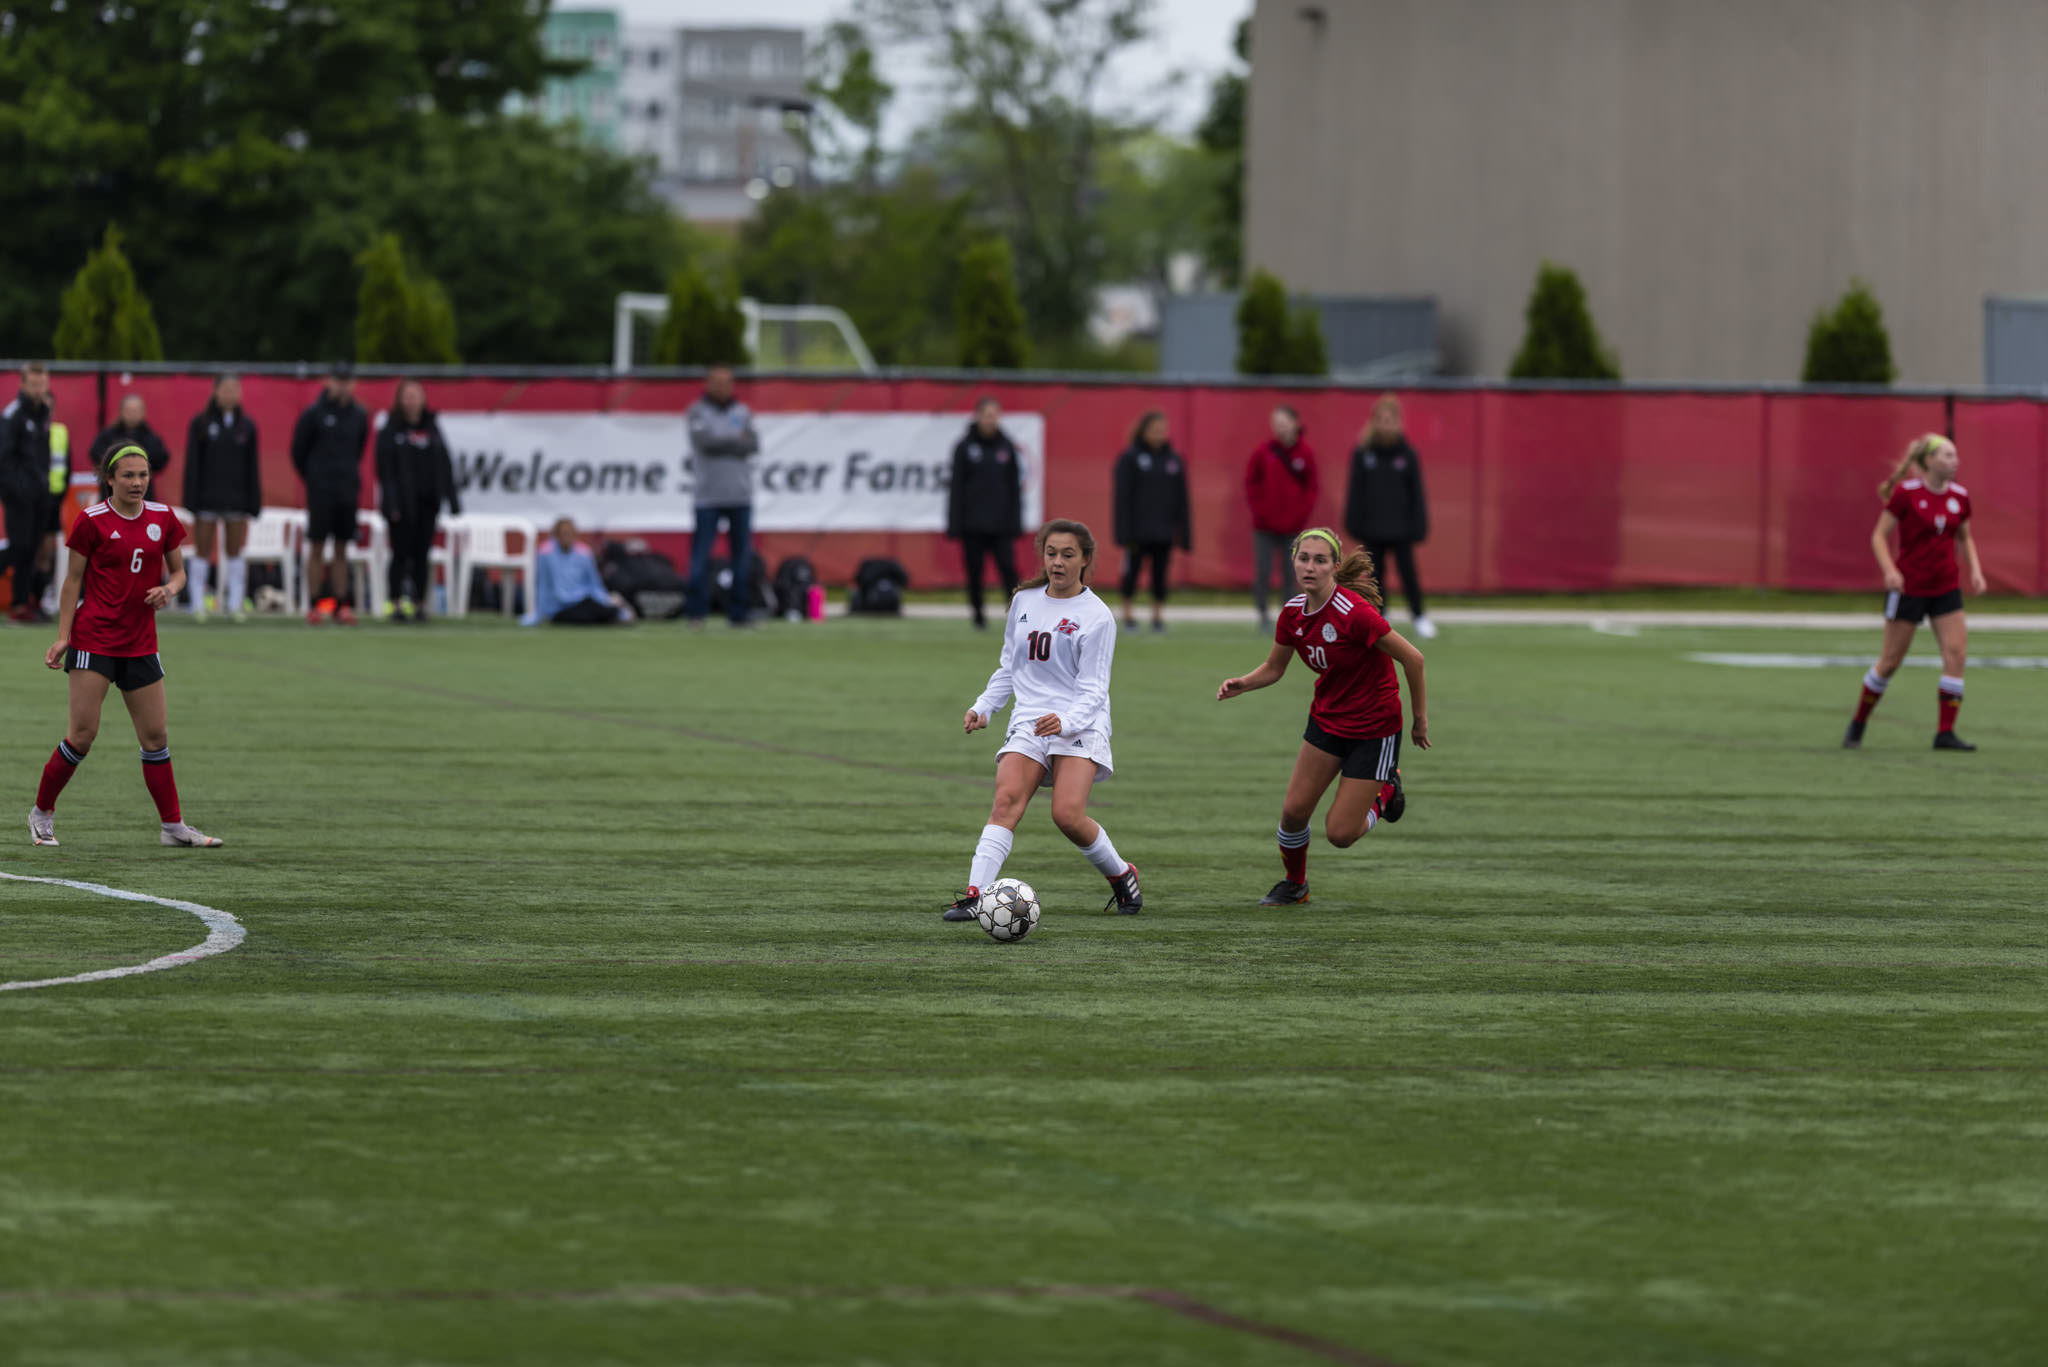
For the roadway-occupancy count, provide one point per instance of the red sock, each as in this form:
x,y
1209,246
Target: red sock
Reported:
x,y
1294,854
1864,704
1951,703
64,762
163,789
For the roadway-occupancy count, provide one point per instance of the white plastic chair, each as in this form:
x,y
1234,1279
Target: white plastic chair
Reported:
x,y
483,541
441,556
277,536
369,560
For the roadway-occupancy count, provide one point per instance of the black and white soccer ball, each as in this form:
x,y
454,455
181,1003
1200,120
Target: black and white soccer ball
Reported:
x,y
1009,910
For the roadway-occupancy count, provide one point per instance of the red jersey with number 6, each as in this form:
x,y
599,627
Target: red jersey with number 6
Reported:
x,y
1357,696
1928,522
124,560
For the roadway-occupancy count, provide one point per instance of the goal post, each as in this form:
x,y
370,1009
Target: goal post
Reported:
x,y
791,320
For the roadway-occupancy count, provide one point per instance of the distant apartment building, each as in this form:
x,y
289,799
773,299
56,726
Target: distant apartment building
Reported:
x,y
721,113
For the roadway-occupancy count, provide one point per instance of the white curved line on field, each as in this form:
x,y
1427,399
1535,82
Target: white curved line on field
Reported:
x,y
223,933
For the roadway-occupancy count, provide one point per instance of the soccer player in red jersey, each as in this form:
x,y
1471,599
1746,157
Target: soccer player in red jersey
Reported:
x,y
1932,514
106,638
1354,723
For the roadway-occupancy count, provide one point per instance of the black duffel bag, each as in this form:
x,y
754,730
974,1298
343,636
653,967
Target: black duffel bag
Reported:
x,y
878,587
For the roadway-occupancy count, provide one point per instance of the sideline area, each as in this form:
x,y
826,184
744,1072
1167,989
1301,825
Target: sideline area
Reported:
x,y
1593,618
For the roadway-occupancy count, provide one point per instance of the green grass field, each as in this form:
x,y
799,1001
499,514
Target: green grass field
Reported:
x,y
594,1009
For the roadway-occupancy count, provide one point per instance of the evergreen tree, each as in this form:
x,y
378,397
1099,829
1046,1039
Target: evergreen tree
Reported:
x,y
704,325
402,317
104,316
1274,338
1561,342
991,320
1849,345
1306,352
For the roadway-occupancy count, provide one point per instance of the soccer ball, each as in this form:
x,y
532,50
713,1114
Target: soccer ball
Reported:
x,y
1009,909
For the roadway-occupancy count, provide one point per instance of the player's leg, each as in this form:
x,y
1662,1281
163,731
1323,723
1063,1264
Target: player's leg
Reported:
x,y
234,570
1411,589
1134,560
199,565
1898,639
1018,776
149,710
1073,779
397,584
1953,633
1315,769
1004,549
739,534
973,554
88,693
1370,792
1162,555
1262,554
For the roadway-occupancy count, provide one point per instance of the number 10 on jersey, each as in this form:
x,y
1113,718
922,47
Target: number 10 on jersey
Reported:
x,y
1038,645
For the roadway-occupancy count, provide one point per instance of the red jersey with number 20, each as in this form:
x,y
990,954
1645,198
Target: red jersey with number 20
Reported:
x,y
1357,696
124,560
1927,535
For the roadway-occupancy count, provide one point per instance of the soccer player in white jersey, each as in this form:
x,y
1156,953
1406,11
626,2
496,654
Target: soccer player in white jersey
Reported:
x,y
1058,646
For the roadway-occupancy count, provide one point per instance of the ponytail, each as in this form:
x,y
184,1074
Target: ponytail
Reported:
x,y
1916,457
1354,568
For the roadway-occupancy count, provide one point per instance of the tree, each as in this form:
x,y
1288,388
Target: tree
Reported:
x,y
848,81
992,335
104,315
1849,345
1221,134
1561,342
1274,338
1028,85
704,325
401,316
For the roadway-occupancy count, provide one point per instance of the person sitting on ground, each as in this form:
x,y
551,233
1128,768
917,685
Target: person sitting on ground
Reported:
x,y
568,589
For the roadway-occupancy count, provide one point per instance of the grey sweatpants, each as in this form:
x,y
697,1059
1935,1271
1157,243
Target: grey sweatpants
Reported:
x,y
1269,554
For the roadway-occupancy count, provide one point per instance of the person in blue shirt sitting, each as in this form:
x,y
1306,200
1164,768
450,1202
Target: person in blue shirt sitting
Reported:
x,y
569,590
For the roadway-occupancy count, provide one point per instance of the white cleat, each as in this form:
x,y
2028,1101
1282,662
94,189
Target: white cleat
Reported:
x,y
189,838
1425,628
42,827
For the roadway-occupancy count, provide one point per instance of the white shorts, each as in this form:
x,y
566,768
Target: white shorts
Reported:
x,y
1088,745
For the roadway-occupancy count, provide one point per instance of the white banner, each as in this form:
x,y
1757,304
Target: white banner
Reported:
x,y
817,472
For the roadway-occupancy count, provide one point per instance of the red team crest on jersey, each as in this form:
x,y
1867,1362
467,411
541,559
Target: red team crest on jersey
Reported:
x,y
1067,627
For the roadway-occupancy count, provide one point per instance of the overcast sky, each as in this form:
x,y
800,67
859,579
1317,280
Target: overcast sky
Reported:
x,y
1194,37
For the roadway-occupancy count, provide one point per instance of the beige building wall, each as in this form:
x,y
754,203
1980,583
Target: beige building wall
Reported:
x,y
1715,170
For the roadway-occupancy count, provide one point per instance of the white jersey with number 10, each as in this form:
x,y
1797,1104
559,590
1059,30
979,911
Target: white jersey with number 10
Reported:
x,y
1057,654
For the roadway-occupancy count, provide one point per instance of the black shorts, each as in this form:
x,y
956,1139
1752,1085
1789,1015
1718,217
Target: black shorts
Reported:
x,y
1904,607
1375,758
128,672
330,519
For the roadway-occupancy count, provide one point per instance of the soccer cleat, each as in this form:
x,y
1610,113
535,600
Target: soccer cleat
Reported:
x,y
1397,804
1852,739
1949,740
186,836
1285,894
314,617
1425,628
1124,894
42,827
965,908
345,615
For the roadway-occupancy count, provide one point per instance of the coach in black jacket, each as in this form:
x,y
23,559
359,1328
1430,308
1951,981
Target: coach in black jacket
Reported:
x,y
985,502
131,428
327,451
1151,512
415,478
25,490
1385,509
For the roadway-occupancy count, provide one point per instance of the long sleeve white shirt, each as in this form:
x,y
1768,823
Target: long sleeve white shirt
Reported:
x,y
1057,654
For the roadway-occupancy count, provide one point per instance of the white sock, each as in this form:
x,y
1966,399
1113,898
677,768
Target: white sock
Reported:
x,y
989,853
236,573
1873,680
195,582
1951,685
1103,855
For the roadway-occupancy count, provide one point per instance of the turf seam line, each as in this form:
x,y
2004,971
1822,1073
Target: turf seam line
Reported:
x,y
223,933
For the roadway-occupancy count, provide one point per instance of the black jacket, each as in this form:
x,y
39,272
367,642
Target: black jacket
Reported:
x,y
986,497
327,448
223,472
24,449
415,475
1385,503
1151,497
144,436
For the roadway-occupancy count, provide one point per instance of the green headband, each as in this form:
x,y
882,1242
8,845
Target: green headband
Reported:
x,y
1336,546
121,452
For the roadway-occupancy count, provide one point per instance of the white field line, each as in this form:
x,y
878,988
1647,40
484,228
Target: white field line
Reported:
x,y
223,933
1771,661
1610,621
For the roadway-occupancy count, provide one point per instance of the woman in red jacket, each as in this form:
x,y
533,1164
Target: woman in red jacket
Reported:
x,y
1280,489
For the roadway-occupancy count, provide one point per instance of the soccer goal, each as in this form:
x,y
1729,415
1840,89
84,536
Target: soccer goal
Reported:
x,y
778,336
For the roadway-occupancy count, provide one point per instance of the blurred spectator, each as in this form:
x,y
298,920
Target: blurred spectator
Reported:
x,y
1385,510
327,451
1280,489
415,478
985,502
132,428
1151,512
569,590
25,490
723,445
223,487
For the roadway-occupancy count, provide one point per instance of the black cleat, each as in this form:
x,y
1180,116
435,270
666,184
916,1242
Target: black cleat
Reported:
x,y
963,909
1285,894
1949,740
1124,894
1397,804
1852,739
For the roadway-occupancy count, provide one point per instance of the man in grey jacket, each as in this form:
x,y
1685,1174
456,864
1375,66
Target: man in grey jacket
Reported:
x,y
722,446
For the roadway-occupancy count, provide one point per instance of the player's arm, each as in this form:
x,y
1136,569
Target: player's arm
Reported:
x,y
1966,547
1881,547
1267,673
1410,660
67,609
997,695
164,593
